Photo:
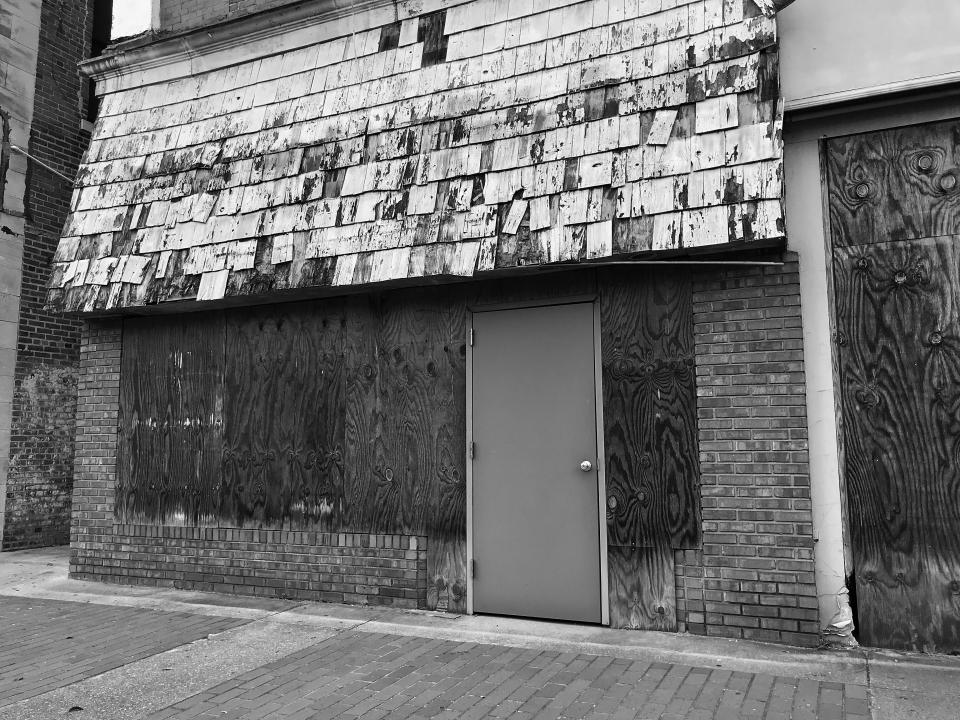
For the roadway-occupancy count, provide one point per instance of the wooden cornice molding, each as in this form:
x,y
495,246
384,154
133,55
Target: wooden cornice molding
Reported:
x,y
231,41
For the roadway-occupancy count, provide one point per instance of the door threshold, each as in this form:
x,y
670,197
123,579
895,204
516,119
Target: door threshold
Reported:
x,y
529,619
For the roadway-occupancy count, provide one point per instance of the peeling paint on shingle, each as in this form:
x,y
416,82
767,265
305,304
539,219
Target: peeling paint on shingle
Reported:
x,y
584,130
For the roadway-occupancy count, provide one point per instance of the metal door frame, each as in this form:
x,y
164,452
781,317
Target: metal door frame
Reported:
x,y
601,460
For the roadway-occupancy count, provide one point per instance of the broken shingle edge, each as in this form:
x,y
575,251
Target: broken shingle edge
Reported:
x,y
217,44
199,65
772,7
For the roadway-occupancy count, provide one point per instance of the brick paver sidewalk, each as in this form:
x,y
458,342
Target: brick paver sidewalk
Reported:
x,y
367,675
46,644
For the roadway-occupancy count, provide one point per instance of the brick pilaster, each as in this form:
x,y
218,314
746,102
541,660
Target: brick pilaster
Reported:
x,y
758,566
95,463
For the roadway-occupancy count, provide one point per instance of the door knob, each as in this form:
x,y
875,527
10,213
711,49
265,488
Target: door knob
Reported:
x,y
586,466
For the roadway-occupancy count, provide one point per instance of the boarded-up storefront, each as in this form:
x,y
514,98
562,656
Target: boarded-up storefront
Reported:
x,y
365,313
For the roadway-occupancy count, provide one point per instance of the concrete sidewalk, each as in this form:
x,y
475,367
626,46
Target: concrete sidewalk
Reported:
x,y
134,652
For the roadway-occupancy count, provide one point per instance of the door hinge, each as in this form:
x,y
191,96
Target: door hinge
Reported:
x,y
471,337
472,450
473,568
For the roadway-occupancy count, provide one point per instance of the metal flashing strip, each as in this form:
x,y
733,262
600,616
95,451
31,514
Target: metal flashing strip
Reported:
x,y
874,91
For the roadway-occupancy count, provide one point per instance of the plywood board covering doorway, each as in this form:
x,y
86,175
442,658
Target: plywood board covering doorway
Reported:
x,y
894,201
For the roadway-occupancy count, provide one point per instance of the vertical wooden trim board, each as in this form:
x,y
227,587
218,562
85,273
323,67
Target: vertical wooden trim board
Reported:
x,y
834,349
469,473
601,466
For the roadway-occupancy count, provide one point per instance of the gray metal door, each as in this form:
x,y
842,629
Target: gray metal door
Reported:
x,y
536,529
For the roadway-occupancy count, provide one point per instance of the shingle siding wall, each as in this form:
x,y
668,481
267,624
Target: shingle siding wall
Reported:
x,y
37,509
179,15
757,560
484,136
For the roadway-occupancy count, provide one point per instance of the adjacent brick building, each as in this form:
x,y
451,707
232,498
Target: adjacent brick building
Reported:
x,y
323,449
46,108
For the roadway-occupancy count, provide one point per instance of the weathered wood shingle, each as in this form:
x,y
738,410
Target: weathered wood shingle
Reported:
x,y
489,135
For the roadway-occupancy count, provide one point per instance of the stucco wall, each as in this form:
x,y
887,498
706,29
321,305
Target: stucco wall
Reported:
x,y
834,49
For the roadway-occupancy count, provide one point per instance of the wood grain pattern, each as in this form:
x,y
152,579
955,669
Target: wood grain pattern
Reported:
x,y
898,322
341,415
348,415
643,593
170,428
650,415
445,352
282,460
533,288
360,405
900,184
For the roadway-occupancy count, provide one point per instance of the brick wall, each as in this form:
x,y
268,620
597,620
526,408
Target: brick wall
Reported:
x,y
41,439
330,567
755,576
178,15
339,567
95,461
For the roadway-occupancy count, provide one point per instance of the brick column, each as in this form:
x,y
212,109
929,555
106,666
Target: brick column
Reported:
x,y
758,566
95,464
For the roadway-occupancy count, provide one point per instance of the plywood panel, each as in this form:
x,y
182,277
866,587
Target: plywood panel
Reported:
x,y
282,461
901,184
360,414
446,519
342,415
643,593
650,416
405,428
170,430
898,322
